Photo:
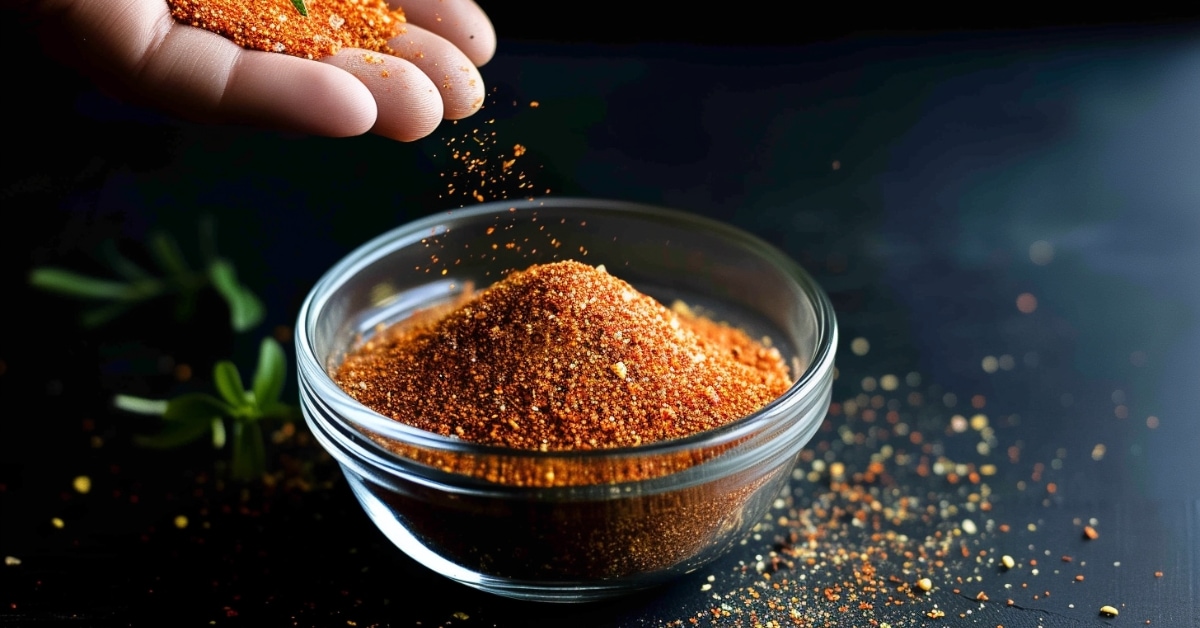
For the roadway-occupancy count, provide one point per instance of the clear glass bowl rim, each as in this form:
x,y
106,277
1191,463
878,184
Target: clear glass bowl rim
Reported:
x,y
312,372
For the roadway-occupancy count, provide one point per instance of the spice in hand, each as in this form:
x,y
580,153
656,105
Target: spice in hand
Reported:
x,y
276,25
563,356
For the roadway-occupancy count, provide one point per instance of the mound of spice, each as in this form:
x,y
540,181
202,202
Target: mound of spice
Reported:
x,y
563,356
277,25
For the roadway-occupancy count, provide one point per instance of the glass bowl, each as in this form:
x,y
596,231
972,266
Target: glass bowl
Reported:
x,y
566,526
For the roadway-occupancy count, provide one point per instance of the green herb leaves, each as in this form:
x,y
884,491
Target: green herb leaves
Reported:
x,y
137,285
299,4
189,417
245,310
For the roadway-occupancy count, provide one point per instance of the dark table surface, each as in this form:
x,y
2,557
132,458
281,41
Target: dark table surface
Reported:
x,y
1007,223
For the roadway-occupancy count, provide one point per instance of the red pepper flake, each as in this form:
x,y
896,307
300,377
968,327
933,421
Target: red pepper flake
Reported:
x,y
1090,533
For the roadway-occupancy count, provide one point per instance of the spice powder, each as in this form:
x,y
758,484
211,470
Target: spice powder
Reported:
x,y
560,357
276,25
565,357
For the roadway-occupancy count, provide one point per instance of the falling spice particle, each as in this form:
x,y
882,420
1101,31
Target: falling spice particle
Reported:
x,y
82,484
1109,611
57,523
1090,533
480,169
1007,561
12,561
181,522
925,584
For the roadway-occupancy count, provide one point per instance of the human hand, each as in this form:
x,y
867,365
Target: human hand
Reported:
x,y
135,49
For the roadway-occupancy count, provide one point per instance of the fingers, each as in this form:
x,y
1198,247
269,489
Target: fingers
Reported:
x,y
453,73
409,104
205,76
461,22
137,47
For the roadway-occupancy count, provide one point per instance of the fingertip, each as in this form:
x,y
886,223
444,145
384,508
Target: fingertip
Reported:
x,y
408,104
461,22
457,79
327,101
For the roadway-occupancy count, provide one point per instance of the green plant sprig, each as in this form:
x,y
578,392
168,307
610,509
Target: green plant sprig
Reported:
x,y
136,285
189,417
299,4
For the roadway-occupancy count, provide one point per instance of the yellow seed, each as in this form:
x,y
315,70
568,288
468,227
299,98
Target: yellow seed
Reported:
x,y
58,523
1108,611
82,484
924,584
181,522
1007,561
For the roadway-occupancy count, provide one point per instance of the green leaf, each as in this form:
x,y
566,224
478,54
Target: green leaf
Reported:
x,y
271,373
281,411
166,252
299,4
245,310
140,405
249,456
218,433
98,316
229,384
74,284
196,407
249,314
174,434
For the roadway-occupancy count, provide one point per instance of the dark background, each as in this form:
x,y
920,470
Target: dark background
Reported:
x,y
961,138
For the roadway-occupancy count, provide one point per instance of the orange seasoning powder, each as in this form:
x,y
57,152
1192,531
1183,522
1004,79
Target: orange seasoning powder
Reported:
x,y
563,356
276,25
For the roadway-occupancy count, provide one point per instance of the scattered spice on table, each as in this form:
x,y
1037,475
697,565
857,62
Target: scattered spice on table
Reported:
x,y
276,25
